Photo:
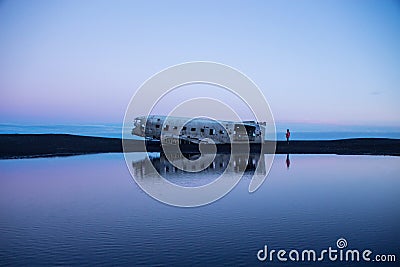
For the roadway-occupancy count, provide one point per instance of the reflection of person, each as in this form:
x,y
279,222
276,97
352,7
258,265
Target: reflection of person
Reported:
x,y
287,161
287,135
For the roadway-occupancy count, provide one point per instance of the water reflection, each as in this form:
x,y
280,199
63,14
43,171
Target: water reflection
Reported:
x,y
85,210
287,161
221,163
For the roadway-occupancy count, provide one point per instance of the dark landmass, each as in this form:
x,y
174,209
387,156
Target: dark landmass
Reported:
x,y
52,145
55,145
353,146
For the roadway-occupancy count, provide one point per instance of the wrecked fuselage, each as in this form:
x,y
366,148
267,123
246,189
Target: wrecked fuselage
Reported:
x,y
198,130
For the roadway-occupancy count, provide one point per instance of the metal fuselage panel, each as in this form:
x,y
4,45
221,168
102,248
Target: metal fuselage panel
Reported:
x,y
173,129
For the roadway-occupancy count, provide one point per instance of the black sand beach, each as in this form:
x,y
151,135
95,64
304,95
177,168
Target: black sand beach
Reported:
x,y
55,145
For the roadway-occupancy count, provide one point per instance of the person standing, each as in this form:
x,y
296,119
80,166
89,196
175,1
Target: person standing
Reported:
x,y
287,135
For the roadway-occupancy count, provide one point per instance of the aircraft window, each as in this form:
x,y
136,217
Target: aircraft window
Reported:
x,y
212,131
202,130
158,119
184,128
157,126
221,132
175,127
166,127
193,129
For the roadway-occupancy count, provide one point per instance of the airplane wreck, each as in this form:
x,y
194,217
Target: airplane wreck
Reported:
x,y
198,130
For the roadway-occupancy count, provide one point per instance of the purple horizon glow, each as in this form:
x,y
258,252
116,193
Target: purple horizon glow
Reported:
x,y
330,62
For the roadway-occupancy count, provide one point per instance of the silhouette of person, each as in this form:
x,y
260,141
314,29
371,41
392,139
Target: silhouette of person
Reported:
x,y
287,135
287,161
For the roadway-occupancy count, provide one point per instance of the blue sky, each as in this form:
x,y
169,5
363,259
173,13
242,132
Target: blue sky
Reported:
x,y
328,62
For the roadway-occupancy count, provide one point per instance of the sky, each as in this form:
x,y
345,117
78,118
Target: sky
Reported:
x,y
318,62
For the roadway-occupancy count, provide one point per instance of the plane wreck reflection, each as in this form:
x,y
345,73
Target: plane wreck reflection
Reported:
x,y
254,164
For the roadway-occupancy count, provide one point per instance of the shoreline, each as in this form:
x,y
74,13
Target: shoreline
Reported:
x,y
15,146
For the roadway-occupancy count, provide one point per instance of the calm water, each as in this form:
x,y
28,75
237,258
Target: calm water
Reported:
x,y
88,210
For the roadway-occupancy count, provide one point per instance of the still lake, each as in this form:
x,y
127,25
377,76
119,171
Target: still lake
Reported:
x,y
87,210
